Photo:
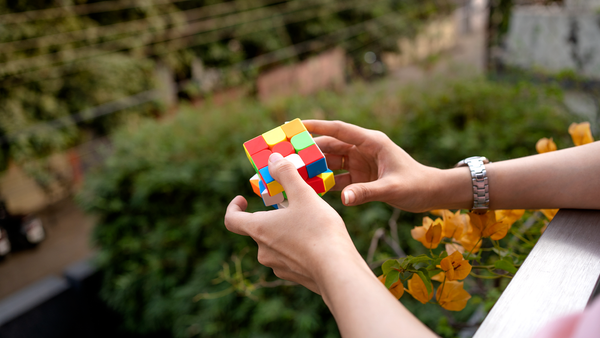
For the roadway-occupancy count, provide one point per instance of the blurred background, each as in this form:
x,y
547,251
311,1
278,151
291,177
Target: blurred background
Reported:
x,y
121,131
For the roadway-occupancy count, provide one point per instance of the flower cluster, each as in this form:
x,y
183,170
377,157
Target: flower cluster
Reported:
x,y
463,233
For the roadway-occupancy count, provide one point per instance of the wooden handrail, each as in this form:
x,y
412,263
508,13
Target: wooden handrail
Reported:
x,y
557,278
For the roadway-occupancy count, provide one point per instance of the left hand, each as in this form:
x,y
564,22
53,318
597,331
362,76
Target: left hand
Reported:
x,y
299,241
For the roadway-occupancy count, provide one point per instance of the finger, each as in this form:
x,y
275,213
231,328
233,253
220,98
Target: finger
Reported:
x,y
341,181
236,217
336,162
342,131
328,144
284,172
359,193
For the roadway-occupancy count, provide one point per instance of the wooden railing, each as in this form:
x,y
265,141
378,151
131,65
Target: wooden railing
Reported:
x,y
558,278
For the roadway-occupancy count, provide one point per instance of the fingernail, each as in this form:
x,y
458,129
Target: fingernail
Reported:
x,y
349,197
275,157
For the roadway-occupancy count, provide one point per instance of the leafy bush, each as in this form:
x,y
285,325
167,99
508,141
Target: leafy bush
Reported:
x,y
161,197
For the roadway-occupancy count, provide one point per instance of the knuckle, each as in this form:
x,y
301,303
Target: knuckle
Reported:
x,y
258,233
379,135
262,257
280,274
284,167
363,193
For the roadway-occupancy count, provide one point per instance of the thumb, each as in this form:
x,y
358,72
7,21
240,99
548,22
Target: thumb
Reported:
x,y
359,193
284,172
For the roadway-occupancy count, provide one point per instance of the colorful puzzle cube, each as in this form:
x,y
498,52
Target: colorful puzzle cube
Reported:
x,y
296,145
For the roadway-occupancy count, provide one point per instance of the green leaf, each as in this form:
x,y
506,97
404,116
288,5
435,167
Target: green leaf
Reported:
x,y
422,273
391,278
389,265
405,262
501,252
418,259
505,264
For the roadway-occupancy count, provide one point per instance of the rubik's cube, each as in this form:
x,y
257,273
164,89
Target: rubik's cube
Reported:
x,y
296,145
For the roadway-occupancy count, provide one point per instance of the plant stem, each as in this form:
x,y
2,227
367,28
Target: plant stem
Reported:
x,y
489,277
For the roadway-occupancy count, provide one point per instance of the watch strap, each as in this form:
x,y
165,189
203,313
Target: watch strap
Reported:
x,y
479,179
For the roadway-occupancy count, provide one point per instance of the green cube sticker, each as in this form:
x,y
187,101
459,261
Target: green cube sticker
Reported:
x,y
302,141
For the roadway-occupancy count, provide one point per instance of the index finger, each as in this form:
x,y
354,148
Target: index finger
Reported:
x,y
342,131
236,216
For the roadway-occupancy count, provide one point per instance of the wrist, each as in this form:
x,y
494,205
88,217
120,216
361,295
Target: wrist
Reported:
x,y
337,272
452,189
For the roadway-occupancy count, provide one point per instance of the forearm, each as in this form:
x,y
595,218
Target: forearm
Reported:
x,y
362,306
568,178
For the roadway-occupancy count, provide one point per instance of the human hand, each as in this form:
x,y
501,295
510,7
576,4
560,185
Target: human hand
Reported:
x,y
378,170
296,242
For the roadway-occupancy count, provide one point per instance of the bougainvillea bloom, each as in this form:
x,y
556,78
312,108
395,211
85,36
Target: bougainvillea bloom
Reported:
x,y
454,224
509,216
452,296
488,226
455,266
471,242
545,145
430,234
417,289
549,213
439,277
454,247
397,289
581,133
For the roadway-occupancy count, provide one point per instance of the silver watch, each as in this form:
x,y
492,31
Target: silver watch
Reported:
x,y
481,192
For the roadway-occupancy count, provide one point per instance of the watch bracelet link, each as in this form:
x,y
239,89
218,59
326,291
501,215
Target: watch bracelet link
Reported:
x,y
481,193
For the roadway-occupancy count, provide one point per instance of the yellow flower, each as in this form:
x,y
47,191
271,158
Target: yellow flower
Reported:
x,y
455,266
487,225
545,145
397,289
430,234
454,247
471,242
451,296
581,133
439,277
454,224
417,289
549,213
509,216
438,212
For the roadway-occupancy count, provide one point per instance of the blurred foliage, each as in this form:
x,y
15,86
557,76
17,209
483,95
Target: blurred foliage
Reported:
x,y
161,196
80,60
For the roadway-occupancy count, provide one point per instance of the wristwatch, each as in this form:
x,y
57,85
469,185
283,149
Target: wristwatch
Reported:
x,y
481,192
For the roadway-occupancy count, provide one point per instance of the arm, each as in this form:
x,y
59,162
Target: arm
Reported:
x,y
308,243
379,170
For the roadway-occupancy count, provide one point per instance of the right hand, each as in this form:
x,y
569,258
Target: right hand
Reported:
x,y
378,170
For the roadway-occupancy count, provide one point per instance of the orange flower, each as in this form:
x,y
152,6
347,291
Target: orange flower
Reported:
x,y
430,234
549,213
471,242
455,266
487,225
438,212
454,224
545,145
397,289
454,247
509,216
451,296
439,277
581,133
417,289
